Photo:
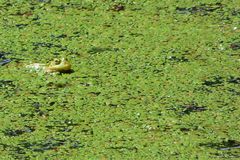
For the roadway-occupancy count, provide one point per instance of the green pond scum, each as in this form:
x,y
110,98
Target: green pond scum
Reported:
x,y
151,80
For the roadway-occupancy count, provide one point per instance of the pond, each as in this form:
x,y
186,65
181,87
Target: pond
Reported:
x,y
149,79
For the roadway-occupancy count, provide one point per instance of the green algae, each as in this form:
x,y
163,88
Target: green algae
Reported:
x,y
153,80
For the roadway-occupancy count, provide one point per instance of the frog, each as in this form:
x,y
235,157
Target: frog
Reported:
x,y
56,66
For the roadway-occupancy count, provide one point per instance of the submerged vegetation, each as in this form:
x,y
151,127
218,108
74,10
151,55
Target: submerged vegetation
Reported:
x,y
152,79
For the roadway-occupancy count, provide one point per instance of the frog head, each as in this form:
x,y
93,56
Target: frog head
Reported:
x,y
59,65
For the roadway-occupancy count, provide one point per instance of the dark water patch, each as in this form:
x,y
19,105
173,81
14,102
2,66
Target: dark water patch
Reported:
x,y
203,89
36,18
15,151
51,103
7,4
69,122
24,115
3,54
227,155
157,71
234,92
26,14
64,129
8,88
37,106
87,131
77,33
45,44
44,113
118,7
178,59
184,129
45,1
95,50
235,12
61,7
135,34
224,145
37,23
21,26
79,6
203,9
94,93
48,45
49,144
75,144
5,61
37,109
235,46
235,80
6,84
59,36
17,132
113,105
174,56
21,151
187,109
123,149
57,85
65,126
42,146
182,110
85,84
213,82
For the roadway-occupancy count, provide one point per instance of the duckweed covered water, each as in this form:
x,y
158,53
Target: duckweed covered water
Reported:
x,y
152,79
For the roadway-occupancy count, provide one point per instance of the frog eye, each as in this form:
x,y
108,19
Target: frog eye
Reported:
x,y
56,61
